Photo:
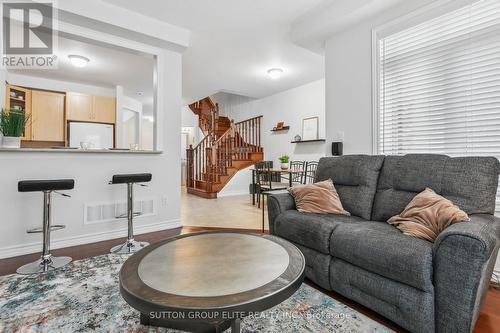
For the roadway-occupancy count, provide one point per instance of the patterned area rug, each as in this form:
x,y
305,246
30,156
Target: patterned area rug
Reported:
x,y
85,297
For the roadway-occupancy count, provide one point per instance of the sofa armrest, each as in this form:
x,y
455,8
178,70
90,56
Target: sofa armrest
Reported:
x,y
464,259
278,204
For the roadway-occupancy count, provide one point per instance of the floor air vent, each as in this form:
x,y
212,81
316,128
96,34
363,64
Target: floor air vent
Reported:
x,y
108,212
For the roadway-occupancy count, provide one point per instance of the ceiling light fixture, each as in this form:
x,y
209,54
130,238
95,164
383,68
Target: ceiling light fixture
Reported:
x,y
78,61
275,73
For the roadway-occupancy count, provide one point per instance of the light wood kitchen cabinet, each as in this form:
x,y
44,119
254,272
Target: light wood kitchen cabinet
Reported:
x,y
104,109
47,120
97,109
79,107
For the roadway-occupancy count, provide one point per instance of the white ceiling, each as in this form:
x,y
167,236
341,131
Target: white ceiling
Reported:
x,y
234,43
108,67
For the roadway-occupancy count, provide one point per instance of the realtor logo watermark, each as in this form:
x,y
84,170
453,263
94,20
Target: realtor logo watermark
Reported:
x,y
29,35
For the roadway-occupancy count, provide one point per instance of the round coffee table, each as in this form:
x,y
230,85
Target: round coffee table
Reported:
x,y
209,281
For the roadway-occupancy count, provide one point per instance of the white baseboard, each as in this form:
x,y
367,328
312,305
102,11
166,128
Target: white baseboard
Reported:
x,y
18,250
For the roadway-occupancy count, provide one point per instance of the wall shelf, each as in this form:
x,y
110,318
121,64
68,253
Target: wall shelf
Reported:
x,y
305,141
285,128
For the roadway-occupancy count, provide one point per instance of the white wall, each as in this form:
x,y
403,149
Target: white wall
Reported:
x,y
348,63
348,77
57,85
3,78
291,107
125,102
190,126
91,172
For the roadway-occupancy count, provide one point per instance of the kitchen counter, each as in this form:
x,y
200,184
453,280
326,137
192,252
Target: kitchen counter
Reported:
x,y
77,151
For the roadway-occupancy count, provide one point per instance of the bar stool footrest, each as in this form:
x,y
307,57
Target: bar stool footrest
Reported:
x,y
126,215
40,229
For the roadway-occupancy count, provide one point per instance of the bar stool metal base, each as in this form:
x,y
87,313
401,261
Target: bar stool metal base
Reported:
x,y
43,266
128,247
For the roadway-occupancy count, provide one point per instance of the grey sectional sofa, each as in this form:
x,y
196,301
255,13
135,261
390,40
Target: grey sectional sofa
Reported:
x,y
422,286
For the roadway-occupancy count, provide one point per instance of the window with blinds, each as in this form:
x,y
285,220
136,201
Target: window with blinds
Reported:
x,y
439,88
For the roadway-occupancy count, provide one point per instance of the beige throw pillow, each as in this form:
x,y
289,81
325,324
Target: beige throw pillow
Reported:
x,y
321,198
427,215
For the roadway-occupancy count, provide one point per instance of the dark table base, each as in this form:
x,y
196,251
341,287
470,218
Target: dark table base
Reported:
x,y
193,325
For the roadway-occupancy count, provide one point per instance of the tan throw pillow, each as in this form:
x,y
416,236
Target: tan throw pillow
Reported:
x,y
427,215
321,198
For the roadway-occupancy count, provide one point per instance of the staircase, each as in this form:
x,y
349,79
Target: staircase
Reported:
x,y
226,148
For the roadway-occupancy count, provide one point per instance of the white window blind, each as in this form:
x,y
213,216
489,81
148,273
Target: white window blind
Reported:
x,y
439,89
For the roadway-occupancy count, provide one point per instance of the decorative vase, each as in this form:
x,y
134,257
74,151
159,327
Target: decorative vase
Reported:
x,y
11,142
284,166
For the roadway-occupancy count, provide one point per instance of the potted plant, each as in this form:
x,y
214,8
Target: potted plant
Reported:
x,y
12,125
284,161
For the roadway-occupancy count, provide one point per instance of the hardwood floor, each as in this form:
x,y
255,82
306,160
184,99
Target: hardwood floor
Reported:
x,y
488,322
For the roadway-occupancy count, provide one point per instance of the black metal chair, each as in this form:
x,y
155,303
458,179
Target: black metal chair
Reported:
x,y
261,176
298,177
310,173
131,245
266,186
46,262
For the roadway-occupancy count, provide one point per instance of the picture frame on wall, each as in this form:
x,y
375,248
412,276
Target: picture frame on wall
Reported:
x,y
310,128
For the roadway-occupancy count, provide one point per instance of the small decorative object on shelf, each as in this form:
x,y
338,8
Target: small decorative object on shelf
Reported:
x,y
284,161
297,138
280,126
12,123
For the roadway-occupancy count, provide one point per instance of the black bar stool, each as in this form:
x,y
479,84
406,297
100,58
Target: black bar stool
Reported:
x,y
131,245
47,262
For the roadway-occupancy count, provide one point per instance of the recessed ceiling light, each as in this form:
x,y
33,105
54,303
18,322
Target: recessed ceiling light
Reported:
x,y
78,61
275,73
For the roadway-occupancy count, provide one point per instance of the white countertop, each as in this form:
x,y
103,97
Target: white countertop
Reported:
x,y
82,151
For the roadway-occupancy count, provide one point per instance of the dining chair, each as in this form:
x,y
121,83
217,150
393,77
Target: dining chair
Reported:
x,y
264,180
299,176
310,173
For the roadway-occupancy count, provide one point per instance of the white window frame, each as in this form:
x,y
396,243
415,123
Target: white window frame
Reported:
x,y
421,15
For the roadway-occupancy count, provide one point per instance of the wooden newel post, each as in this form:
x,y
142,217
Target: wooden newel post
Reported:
x,y
190,166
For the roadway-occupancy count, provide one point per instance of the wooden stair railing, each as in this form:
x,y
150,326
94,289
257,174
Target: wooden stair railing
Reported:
x,y
219,157
247,138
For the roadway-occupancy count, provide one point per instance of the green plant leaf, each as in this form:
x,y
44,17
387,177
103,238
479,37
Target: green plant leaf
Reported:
x,y
13,122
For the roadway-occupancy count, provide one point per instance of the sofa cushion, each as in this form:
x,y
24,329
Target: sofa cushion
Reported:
x,y
320,197
309,230
355,177
427,215
382,249
469,182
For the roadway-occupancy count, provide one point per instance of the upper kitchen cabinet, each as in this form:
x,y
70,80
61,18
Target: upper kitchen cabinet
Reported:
x,y
19,99
97,109
47,122
79,107
104,109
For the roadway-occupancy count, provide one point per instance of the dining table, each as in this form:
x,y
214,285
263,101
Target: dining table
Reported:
x,y
273,171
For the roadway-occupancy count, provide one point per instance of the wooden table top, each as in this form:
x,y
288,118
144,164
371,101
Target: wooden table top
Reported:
x,y
278,170
213,271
